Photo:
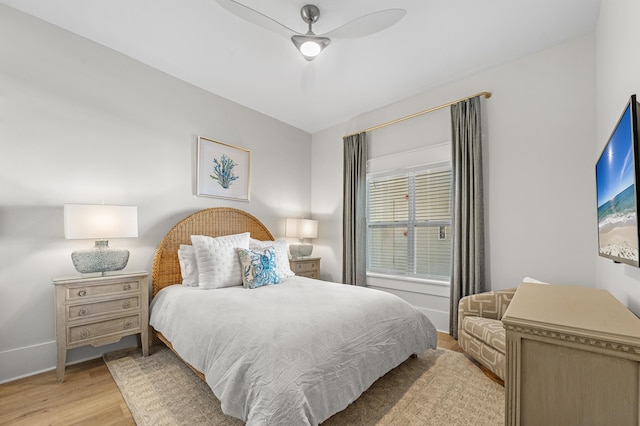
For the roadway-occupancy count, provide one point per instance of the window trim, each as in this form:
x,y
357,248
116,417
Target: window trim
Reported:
x,y
409,284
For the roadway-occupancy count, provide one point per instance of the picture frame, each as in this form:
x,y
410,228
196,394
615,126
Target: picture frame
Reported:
x,y
223,170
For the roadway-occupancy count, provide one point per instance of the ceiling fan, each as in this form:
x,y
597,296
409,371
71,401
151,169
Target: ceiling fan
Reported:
x,y
309,44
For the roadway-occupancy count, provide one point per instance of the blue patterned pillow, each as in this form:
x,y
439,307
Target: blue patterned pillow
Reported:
x,y
259,267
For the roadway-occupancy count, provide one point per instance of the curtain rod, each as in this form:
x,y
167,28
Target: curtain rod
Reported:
x,y
426,111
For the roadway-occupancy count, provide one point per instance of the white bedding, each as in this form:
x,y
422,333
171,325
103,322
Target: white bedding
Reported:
x,y
293,353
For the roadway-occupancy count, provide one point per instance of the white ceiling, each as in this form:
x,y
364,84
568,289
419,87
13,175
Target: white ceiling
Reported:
x,y
437,41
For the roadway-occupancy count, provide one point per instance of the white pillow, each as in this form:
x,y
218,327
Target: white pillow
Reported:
x,y
218,263
282,258
188,265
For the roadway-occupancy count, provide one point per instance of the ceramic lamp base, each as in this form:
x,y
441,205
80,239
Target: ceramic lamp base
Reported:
x,y
300,250
100,258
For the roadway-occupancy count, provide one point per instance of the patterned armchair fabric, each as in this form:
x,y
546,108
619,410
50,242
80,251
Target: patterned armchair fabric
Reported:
x,y
480,330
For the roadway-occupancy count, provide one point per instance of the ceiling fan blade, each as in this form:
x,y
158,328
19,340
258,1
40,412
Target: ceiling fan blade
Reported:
x,y
367,24
258,18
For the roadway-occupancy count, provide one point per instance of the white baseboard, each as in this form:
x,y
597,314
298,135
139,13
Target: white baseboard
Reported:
x,y
30,360
434,306
27,361
439,319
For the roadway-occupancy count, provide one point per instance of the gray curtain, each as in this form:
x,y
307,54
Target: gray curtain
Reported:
x,y
468,268
354,221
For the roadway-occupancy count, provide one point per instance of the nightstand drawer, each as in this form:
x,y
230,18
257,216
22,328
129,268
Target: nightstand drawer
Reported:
x,y
84,292
311,274
103,328
305,266
110,306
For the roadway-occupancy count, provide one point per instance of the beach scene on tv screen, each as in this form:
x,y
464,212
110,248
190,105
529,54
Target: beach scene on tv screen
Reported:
x,y
617,223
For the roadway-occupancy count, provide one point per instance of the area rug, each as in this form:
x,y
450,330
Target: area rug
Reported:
x,y
439,387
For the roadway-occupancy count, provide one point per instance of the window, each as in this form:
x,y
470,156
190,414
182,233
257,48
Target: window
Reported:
x,y
409,223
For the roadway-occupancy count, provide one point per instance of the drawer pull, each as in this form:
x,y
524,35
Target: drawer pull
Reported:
x,y
85,334
127,324
82,292
126,304
127,286
82,312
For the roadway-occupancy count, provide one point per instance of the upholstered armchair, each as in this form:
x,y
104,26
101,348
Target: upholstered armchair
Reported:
x,y
480,330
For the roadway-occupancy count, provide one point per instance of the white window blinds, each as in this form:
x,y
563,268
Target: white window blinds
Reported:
x,y
409,223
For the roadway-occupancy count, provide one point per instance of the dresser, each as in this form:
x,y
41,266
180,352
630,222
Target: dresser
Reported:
x,y
306,267
573,358
100,310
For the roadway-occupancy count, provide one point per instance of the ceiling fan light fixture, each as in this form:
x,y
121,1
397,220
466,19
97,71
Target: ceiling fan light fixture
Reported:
x,y
310,45
310,48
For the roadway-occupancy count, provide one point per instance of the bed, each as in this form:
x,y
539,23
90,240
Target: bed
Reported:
x,y
294,353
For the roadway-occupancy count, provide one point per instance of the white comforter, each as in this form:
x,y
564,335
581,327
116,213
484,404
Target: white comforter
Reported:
x,y
293,353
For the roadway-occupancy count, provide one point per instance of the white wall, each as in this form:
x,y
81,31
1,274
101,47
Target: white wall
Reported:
x,y
618,77
81,123
538,155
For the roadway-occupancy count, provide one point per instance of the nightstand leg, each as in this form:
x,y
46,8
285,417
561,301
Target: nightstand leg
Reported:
x,y
144,340
62,359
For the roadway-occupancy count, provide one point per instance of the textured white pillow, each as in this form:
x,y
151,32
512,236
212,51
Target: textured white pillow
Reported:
x,y
218,263
188,265
282,258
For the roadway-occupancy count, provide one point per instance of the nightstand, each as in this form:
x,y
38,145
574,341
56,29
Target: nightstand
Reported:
x,y
306,267
100,310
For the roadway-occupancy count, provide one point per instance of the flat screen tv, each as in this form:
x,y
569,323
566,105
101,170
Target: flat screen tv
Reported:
x,y
617,190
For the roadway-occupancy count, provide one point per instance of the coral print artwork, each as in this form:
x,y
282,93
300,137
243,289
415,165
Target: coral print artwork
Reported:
x,y
223,170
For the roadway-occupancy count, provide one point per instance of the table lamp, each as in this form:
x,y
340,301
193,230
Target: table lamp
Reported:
x,y
100,222
301,229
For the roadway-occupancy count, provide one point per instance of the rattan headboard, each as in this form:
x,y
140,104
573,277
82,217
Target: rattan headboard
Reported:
x,y
213,222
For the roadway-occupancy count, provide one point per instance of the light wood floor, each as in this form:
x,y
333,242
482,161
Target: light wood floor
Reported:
x,y
88,396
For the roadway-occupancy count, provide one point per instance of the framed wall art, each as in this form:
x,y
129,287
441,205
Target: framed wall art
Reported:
x,y
222,170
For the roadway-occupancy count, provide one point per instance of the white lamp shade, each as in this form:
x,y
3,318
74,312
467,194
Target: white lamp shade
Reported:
x,y
301,228
96,221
